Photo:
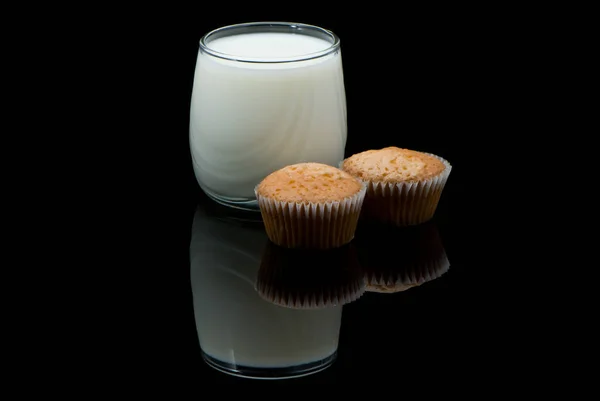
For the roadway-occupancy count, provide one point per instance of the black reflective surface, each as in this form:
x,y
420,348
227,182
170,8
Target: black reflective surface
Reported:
x,y
402,299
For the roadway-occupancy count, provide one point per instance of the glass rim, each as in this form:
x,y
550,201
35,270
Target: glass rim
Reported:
x,y
275,26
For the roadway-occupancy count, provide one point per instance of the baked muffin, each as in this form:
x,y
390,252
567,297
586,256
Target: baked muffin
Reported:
x,y
403,186
310,205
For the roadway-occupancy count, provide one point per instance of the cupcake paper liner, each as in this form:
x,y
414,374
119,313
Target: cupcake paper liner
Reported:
x,y
405,203
407,277
310,279
421,256
311,225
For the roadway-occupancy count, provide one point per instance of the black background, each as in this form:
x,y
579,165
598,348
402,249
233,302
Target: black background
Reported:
x,y
420,80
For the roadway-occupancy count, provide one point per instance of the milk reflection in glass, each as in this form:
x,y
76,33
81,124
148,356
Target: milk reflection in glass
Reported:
x,y
275,98
239,332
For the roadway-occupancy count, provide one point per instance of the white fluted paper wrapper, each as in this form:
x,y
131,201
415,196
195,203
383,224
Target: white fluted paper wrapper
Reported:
x,y
335,296
408,277
310,279
311,225
405,203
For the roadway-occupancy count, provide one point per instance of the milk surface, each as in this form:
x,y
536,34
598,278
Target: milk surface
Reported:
x,y
268,46
234,324
250,119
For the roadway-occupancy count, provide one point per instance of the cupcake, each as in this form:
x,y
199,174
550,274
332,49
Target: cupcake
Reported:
x,y
403,186
310,278
421,256
310,205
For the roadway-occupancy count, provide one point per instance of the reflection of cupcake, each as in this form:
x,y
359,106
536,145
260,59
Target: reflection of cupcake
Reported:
x,y
310,278
403,186
420,256
310,205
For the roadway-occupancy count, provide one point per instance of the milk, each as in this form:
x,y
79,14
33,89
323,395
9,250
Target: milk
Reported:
x,y
235,326
250,119
269,46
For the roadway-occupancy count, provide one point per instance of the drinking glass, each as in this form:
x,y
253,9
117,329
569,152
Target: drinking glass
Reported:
x,y
265,95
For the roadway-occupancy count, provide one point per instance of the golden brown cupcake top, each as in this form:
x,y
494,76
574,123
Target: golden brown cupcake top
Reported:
x,y
309,182
393,164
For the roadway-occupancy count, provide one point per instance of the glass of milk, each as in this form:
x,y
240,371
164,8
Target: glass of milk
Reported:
x,y
265,95
239,332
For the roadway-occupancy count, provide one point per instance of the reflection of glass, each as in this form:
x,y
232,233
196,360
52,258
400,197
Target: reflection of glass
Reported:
x,y
397,259
239,332
265,95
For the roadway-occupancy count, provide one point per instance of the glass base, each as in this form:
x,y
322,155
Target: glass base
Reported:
x,y
287,372
235,203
